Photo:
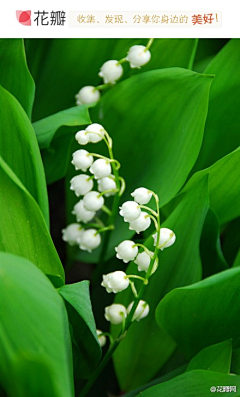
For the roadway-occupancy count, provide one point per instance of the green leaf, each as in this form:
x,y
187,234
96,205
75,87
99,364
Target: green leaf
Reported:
x,y
194,383
222,126
46,128
237,259
235,366
145,349
23,229
213,358
34,327
19,148
14,74
81,318
224,186
194,315
213,260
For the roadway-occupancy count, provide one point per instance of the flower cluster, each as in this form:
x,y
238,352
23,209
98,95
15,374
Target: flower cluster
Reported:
x,y
93,199
112,70
128,250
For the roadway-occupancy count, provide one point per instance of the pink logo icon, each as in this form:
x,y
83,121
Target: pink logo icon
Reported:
x,y
24,17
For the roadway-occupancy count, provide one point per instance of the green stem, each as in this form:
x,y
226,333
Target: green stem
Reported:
x,y
150,41
106,210
122,61
102,87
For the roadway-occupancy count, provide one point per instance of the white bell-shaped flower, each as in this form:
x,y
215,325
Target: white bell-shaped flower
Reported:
x,y
167,238
141,311
111,71
82,160
138,56
82,214
127,251
130,211
81,184
89,240
82,137
71,233
107,183
93,201
101,168
142,223
143,261
95,132
142,195
115,281
101,338
115,313
87,94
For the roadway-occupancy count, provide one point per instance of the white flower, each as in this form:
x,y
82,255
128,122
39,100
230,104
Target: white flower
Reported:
x,y
89,240
143,261
111,71
82,160
101,338
72,233
93,201
115,281
82,137
130,211
142,223
101,168
95,132
87,94
82,214
167,238
81,184
115,313
141,311
127,251
138,56
142,195
107,183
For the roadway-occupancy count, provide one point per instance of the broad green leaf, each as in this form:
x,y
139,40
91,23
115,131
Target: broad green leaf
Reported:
x,y
14,75
194,315
230,240
224,186
81,318
145,349
34,327
213,358
19,148
23,229
206,50
235,366
213,260
222,126
237,259
46,128
79,62
194,383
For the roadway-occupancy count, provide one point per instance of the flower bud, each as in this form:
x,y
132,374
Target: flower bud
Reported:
x,y
82,160
72,233
167,238
82,137
107,183
82,214
138,56
81,184
111,71
101,168
87,95
89,240
130,211
115,281
95,132
142,223
127,251
142,195
141,311
93,201
115,313
101,338
143,261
